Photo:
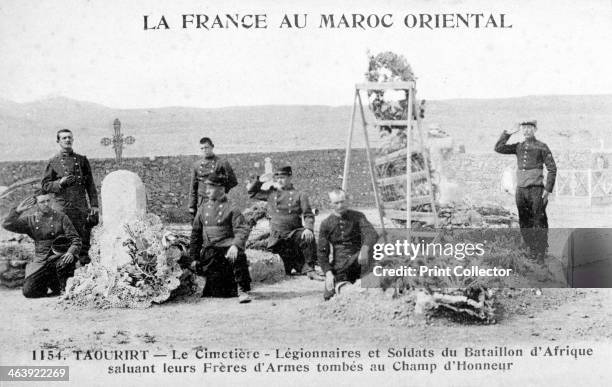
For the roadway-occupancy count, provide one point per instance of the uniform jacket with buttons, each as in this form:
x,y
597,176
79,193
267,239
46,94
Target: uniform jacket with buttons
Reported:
x,y
286,208
531,156
218,224
75,195
43,229
346,234
200,171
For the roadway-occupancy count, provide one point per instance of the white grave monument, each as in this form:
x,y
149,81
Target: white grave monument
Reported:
x,y
124,199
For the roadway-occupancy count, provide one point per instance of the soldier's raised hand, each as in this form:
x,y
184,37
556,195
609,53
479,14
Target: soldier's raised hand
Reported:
x,y
26,204
516,129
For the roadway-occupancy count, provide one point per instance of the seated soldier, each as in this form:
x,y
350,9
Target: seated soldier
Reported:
x,y
56,243
291,223
351,237
218,238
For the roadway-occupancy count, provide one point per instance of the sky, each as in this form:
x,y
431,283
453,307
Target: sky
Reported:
x,y
98,51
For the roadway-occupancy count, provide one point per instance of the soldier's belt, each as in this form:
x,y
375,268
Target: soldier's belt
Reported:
x,y
213,232
286,221
346,248
215,228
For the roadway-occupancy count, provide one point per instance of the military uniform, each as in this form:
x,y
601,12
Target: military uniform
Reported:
x,y
532,155
73,198
200,171
346,234
217,226
45,271
286,208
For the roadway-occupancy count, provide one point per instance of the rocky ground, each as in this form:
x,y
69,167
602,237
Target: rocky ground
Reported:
x,y
290,312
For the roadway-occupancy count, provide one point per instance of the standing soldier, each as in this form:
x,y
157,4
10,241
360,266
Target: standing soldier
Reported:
x,y
56,243
68,176
201,169
218,239
531,192
291,224
350,236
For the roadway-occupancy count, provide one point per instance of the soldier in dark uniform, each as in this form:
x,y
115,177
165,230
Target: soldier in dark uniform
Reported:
x,y
52,264
68,176
531,191
291,223
351,237
218,239
202,168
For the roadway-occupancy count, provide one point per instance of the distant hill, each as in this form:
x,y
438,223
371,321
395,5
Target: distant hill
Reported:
x,y
566,122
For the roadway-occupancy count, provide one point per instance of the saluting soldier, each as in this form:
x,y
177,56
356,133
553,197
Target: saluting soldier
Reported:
x,y
202,168
291,224
350,236
56,244
531,191
68,175
218,239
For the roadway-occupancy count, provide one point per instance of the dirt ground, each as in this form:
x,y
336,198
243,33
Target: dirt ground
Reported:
x,y
286,312
292,313
287,316
291,310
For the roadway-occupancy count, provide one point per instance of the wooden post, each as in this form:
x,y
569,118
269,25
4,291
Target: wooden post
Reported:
x,y
371,168
409,160
347,157
426,159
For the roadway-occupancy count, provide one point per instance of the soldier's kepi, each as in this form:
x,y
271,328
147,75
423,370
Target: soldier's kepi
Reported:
x,y
291,223
531,191
69,177
210,163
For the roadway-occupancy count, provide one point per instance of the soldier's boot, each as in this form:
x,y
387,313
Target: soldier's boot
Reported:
x,y
84,258
313,275
243,296
327,293
55,290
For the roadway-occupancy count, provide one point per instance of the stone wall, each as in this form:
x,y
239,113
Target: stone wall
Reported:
x,y
167,178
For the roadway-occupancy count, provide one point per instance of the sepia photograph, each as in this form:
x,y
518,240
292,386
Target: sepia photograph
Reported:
x,y
273,193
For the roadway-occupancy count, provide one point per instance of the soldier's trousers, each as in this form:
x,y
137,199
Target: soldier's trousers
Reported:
x,y
296,253
52,275
78,217
532,218
223,276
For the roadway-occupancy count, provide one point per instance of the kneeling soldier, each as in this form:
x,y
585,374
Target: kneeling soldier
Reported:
x,y
351,237
218,238
56,244
291,239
